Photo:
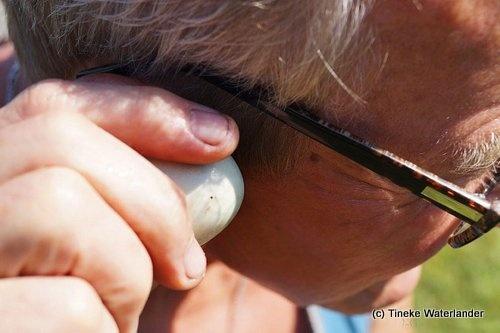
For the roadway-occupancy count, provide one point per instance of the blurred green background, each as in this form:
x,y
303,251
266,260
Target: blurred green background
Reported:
x,y
462,279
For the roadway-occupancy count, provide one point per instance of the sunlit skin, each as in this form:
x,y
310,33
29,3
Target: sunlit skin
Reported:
x,y
341,228
343,232
330,232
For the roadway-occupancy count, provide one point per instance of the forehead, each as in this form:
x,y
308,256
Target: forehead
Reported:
x,y
431,100
470,143
436,99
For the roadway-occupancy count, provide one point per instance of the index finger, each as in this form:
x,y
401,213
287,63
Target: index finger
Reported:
x,y
151,120
140,193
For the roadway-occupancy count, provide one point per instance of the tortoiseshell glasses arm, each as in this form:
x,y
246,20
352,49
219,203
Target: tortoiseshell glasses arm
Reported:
x,y
481,214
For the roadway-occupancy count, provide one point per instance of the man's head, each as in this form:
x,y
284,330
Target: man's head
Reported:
x,y
418,78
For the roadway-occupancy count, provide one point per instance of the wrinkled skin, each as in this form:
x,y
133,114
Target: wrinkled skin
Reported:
x,y
331,232
305,234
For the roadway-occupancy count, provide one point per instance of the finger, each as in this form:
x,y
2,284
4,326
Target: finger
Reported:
x,y
55,223
52,304
151,120
142,195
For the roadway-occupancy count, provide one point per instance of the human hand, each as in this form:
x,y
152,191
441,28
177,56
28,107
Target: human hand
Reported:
x,y
85,218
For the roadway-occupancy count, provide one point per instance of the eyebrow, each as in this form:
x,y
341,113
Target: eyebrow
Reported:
x,y
478,156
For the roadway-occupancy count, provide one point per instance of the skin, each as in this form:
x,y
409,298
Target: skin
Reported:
x,y
441,81
53,189
301,235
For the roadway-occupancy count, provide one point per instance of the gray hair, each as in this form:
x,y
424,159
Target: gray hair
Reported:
x,y
478,156
304,50
315,52
4,34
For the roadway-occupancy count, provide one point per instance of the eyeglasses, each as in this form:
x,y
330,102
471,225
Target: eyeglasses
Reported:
x,y
476,213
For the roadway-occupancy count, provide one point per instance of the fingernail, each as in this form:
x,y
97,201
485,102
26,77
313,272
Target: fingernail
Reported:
x,y
195,262
210,127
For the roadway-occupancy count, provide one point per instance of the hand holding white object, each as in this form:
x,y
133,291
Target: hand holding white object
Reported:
x,y
85,218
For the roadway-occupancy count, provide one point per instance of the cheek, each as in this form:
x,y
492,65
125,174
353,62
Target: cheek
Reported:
x,y
402,239
371,240
314,247
426,233
385,230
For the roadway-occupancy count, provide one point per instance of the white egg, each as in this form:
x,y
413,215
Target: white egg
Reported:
x,y
214,193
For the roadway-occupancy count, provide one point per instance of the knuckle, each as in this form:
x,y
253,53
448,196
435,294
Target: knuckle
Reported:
x,y
137,295
83,306
137,286
42,95
62,192
152,102
36,219
68,191
160,111
62,185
